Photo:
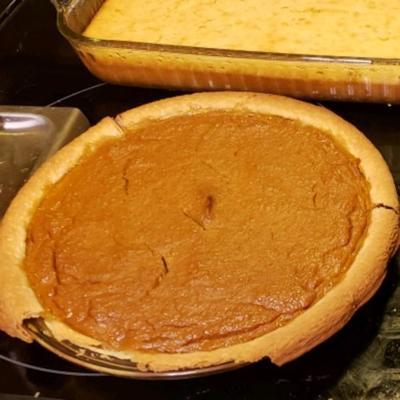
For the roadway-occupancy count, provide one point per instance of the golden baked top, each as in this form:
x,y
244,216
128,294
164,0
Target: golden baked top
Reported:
x,y
197,232
328,27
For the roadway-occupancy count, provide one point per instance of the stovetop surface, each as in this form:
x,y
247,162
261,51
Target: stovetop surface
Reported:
x,y
362,361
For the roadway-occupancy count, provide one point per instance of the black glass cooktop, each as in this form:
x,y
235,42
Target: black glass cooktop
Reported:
x,y
362,361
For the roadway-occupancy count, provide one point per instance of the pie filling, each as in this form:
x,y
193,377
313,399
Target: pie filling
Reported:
x,y
197,232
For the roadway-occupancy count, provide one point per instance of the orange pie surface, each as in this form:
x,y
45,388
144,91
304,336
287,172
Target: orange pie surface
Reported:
x,y
197,232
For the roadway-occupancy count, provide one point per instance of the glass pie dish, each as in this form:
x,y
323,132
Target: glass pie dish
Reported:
x,y
194,68
96,361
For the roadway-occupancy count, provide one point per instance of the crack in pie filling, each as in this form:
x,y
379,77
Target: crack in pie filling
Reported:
x,y
203,229
197,232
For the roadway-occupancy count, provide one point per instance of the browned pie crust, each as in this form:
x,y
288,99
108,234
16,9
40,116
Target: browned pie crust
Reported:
x,y
18,301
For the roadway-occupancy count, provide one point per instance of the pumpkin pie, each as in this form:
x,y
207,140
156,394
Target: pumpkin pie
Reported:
x,y
199,230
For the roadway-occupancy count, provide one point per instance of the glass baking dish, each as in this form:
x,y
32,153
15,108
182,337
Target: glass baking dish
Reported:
x,y
28,136
195,68
96,361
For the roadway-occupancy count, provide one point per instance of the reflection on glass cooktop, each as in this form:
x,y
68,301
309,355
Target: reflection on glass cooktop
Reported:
x,y
361,362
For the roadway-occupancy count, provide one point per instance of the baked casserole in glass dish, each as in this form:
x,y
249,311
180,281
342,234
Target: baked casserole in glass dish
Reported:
x,y
333,50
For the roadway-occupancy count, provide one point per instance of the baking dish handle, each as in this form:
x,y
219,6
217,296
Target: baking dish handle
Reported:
x,y
60,5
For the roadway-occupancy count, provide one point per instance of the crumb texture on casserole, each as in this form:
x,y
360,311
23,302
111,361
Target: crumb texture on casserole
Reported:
x,y
369,28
